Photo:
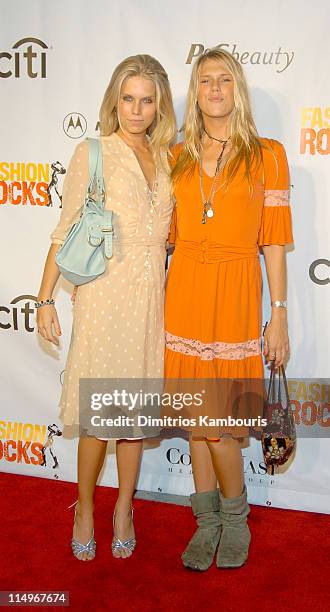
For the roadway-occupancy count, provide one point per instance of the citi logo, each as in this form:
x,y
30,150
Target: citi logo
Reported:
x,y
319,271
28,59
18,315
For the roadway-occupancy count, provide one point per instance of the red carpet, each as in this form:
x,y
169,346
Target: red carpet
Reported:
x,y
287,567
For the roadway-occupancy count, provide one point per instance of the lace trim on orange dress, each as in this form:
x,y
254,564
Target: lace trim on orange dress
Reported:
x,y
277,197
213,350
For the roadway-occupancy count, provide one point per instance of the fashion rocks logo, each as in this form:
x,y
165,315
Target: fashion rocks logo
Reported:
x,y
279,59
315,130
30,183
310,403
29,444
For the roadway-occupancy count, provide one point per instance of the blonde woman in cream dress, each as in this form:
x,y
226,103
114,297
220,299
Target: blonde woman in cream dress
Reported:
x,y
118,326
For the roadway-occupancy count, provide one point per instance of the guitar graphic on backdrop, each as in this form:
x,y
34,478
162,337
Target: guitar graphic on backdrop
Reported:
x,y
53,431
57,169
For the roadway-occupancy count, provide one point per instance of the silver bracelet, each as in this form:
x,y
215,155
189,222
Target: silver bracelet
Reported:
x,y
280,304
44,303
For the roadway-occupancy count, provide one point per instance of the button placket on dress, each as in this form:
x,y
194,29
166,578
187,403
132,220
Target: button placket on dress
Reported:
x,y
147,262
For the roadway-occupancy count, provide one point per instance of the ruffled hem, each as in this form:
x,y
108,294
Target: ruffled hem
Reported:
x,y
276,226
179,365
236,391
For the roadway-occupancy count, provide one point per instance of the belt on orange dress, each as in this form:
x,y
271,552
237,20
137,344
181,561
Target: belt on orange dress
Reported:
x,y
213,252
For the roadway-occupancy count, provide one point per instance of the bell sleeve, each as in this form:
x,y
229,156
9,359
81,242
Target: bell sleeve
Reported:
x,y
74,190
276,220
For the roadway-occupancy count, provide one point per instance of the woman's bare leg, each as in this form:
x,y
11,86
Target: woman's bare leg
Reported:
x,y
91,453
227,463
128,453
203,470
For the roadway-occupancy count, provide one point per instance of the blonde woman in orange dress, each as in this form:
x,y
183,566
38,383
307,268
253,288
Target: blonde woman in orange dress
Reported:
x,y
118,325
232,196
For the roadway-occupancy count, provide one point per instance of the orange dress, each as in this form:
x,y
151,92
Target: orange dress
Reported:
x,y
213,313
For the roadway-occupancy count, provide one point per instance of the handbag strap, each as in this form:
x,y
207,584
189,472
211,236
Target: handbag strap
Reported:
x,y
285,386
95,167
271,395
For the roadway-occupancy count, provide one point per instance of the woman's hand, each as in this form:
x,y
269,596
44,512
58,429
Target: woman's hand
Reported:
x,y
276,339
47,323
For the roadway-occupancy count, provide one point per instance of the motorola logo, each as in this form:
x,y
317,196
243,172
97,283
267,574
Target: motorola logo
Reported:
x,y
74,125
26,58
319,271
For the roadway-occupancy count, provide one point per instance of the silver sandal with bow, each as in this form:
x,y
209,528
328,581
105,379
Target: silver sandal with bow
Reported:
x,y
77,547
117,544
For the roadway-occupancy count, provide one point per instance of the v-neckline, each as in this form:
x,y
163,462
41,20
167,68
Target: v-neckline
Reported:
x,y
133,154
207,175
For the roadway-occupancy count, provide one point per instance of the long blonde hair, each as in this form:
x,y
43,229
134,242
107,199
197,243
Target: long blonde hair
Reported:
x,y
162,131
246,145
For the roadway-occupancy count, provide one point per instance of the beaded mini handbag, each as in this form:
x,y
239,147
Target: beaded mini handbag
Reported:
x,y
279,436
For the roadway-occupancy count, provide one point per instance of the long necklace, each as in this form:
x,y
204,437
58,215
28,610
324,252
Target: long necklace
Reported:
x,y
208,202
217,139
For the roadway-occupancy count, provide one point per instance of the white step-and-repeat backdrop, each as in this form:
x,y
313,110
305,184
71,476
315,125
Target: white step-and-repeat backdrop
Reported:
x,y
56,59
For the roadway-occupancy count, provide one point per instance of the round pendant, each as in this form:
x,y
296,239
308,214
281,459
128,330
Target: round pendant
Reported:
x,y
210,213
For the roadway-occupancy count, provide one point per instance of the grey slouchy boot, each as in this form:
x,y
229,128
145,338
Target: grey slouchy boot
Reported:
x,y
235,534
202,546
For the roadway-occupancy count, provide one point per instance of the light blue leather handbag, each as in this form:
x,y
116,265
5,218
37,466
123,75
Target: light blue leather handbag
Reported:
x,y
82,257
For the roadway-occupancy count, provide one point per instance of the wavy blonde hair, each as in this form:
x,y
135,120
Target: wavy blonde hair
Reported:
x,y
246,146
162,131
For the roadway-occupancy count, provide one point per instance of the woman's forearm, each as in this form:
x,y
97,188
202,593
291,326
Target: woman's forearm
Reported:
x,y
275,260
276,339
50,275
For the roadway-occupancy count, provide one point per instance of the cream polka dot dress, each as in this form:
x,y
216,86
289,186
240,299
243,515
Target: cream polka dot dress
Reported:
x,y
118,321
